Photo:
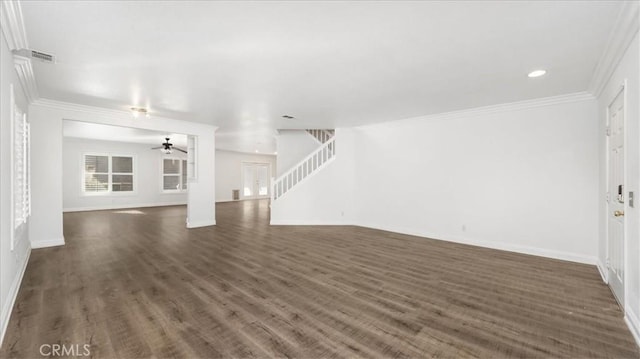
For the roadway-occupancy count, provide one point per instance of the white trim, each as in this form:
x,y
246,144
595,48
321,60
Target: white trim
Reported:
x,y
510,247
506,107
240,200
12,24
24,70
631,318
625,29
201,224
47,243
11,297
300,222
123,206
604,273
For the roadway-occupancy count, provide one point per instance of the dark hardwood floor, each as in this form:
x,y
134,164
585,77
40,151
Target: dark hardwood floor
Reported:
x,y
136,283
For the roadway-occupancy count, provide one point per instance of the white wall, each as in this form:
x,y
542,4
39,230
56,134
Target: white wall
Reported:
x,y
147,176
12,263
229,171
627,69
325,197
522,180
293,146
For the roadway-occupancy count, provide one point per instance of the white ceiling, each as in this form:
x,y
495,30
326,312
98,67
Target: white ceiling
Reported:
x,y
242,65
95,131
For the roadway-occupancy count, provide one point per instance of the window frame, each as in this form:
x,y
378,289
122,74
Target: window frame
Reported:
x,y
109,173
181,176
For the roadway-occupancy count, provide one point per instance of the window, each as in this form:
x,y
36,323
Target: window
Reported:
x,y
107,174
174,174
21,171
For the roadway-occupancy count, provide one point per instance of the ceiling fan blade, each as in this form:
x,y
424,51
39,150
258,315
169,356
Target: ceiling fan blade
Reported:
x,y
178,149
157,148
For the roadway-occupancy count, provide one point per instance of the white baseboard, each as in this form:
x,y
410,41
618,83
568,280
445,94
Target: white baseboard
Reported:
x,y
510,247
11,297
199,224
48,243
122,206
603,271
631,318
241,199
307,223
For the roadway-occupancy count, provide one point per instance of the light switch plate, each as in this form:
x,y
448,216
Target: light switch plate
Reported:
x,y
631,199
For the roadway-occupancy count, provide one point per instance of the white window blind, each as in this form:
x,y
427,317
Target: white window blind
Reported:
x,y
174,174
104,173
21,170
96,173
122,177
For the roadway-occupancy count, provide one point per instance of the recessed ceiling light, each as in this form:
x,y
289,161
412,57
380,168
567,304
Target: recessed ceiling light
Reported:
x,y
537,73
256,151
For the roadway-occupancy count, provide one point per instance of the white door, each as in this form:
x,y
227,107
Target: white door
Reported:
x,y
262,179
255,180
616,197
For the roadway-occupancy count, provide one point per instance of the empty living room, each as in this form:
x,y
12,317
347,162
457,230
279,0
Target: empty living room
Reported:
x,y
319,179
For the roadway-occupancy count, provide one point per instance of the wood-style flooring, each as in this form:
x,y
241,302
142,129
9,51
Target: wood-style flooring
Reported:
x,y
137,283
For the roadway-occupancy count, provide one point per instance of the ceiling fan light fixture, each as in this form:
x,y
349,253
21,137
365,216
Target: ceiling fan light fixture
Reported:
x,y
137,111
537,73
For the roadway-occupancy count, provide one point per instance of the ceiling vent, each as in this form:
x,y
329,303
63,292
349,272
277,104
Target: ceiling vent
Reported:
x,y
37,55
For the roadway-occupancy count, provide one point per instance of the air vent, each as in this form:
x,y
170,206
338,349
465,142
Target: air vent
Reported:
x,y
42,56
287,117
33,54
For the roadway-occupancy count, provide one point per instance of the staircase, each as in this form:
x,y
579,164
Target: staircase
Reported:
x,y
322,136
311,164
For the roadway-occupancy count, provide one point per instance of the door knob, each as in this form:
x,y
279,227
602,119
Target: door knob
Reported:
x,y
618,213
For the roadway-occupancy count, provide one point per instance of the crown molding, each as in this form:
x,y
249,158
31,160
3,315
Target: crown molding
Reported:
x,y
624,30
24,69
510,106
12,24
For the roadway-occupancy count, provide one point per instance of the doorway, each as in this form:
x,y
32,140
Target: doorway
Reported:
x,y
616,196
255,180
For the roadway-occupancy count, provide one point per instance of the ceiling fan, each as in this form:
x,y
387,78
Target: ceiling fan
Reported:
x,y
167,147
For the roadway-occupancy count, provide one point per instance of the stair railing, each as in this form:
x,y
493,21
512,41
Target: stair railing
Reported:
x,y
303,169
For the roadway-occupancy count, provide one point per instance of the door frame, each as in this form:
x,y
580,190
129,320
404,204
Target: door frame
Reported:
x,y
242,163
621,89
